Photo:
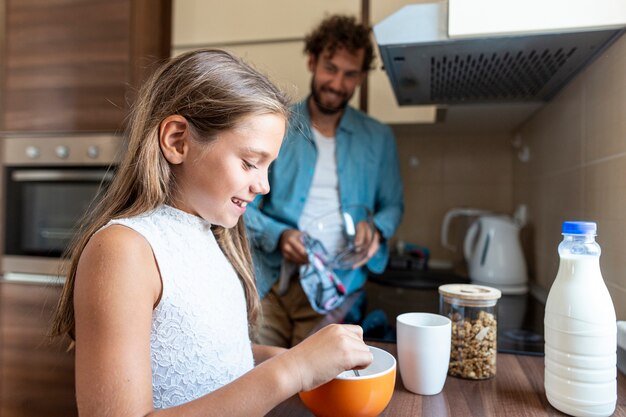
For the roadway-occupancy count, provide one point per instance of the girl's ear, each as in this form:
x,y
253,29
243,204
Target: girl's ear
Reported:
x,y
174,138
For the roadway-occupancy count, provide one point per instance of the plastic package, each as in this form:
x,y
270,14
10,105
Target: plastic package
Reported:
x,y
473,312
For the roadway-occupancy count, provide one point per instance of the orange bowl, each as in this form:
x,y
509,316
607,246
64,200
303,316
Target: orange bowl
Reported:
x,y
349,395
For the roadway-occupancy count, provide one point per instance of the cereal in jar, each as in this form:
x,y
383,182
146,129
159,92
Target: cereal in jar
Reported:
x,y
472,310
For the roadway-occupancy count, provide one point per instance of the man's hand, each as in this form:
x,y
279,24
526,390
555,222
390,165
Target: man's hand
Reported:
x,y
363,235
290,244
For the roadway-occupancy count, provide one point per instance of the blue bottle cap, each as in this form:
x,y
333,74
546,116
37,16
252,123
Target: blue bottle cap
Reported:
x,y
579,228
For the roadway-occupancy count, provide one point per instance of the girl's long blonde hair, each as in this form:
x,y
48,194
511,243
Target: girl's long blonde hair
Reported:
x,y
214,91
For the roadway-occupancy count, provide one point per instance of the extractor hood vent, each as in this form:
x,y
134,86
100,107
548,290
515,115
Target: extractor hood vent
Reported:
x,y
507,76
435,69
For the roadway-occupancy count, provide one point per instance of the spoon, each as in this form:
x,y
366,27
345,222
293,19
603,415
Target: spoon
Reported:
x,y
356,372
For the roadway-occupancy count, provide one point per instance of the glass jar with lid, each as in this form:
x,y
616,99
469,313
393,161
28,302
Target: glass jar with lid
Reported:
x,y
473,312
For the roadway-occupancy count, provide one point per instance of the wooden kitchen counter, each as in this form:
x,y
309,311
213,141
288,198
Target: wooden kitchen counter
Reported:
x,y
516,390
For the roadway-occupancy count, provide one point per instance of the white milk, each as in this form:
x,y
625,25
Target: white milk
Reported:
x,y
580,336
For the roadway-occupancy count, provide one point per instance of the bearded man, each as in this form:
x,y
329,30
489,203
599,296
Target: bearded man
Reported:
x,y
333,157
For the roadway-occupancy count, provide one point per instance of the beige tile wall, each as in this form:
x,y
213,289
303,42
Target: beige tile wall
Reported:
x,y
451,171
578,169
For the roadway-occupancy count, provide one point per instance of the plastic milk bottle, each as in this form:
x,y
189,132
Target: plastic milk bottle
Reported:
x,y
580,329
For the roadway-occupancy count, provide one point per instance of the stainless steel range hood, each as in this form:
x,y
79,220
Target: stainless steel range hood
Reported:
x,y
427,66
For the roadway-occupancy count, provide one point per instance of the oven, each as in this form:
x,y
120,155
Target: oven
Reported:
x,y
49,183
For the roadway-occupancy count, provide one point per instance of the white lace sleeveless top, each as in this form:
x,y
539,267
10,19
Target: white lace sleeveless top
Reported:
x,y
199,339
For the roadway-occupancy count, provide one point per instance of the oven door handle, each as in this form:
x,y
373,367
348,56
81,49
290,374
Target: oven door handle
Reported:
x,y
39,175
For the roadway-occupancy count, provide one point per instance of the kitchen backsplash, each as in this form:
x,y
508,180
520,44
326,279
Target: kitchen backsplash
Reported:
x,y
577,169
442,171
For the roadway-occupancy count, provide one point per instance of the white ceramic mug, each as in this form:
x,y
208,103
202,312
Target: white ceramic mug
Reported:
x,y
423,341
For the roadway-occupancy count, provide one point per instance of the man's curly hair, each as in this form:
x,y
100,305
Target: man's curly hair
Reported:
x,y
341,32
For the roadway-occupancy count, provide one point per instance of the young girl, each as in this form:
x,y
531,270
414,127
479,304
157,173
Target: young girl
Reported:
x,y
160,297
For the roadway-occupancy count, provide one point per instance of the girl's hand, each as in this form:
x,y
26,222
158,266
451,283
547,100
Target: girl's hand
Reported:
x,y
327,353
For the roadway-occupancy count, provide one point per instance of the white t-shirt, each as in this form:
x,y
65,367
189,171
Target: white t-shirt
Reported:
x,y
321,216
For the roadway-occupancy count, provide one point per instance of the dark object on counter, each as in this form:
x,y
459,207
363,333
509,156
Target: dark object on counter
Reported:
x,y
407,262
430,279
376,326
414,257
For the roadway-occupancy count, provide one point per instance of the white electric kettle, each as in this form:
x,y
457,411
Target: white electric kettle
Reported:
x,y
492,250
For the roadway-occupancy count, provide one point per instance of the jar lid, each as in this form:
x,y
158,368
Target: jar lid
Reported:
x,y
470,292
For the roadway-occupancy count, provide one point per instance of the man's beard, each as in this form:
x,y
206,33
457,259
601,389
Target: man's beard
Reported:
x,y
323,108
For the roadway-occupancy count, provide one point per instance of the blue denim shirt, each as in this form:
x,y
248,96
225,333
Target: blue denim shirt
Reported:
x,y
368,172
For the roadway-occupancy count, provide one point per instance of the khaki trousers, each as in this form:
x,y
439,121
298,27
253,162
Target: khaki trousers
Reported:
x,y
287,319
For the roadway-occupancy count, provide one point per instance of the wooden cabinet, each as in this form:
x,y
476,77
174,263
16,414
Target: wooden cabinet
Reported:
x,y
485,18
74,65
36,373
198,22
270,34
